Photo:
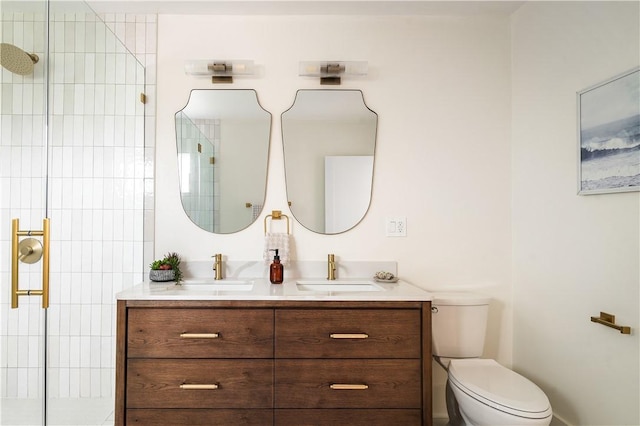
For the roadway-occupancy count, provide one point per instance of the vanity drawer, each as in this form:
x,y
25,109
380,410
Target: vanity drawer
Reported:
x,y
371,383
200,333
180,417
348,333
173,383
371,417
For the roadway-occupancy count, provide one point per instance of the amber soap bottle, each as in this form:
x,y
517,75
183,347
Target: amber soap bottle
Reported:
x,y
276,271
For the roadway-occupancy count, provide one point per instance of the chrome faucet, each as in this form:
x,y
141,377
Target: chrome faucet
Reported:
x,y
217,266
331,267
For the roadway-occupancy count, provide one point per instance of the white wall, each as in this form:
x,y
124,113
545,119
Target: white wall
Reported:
x,y
441,87
574,256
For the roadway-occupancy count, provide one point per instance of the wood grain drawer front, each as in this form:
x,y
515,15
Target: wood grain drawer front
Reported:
x,y
348,384
180,417
169,383
348,333
200,333
372,417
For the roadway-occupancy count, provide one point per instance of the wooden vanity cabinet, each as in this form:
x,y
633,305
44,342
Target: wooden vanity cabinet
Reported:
x,y
273,363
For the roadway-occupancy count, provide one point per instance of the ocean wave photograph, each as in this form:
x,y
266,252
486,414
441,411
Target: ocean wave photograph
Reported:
x,y
610,135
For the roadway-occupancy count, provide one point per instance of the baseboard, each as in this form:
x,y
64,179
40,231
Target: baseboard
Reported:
x,y
440,419
557,421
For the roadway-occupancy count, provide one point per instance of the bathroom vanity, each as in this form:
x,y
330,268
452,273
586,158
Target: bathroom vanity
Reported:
x,y
273,354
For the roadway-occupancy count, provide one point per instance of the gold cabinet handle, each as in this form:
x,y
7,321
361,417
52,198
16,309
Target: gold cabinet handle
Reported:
x,y
349,336
188,386
348,386
200,335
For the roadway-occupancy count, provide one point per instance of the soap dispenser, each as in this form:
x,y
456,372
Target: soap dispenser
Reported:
x,y
276,271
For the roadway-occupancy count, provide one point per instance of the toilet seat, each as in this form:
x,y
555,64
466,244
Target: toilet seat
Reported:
x,y
496,386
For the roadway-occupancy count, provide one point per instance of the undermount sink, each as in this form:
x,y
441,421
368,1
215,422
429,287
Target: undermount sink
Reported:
x,y
216,285
335,286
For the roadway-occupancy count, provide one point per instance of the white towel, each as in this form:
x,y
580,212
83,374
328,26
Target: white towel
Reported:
x,y
256,209
277,241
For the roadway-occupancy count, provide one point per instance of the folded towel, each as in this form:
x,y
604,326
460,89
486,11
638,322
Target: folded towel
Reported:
x,y
277,241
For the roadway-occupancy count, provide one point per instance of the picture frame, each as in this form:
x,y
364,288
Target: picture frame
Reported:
x,y
609,135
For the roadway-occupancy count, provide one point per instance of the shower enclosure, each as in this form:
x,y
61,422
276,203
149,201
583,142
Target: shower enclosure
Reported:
x,y
72,151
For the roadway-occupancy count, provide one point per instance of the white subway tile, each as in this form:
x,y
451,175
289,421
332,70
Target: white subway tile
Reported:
x,y
96,387
53,386
23,383
64,380
23,350
74,382
96,318
33,382
34,349
107,248
12,351
100,70
98,199
12,382
106,382
109,130
85,352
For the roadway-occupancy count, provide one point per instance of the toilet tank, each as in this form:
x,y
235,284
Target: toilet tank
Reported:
x,y
459,324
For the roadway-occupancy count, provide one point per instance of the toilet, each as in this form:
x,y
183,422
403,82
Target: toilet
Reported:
x,y
480,391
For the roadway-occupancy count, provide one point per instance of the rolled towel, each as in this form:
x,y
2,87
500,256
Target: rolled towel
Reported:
x,y
278,241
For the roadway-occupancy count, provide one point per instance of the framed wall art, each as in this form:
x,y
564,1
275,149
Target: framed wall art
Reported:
x,y
609,135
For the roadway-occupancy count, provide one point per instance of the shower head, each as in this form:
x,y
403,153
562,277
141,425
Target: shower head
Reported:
x,y
17,60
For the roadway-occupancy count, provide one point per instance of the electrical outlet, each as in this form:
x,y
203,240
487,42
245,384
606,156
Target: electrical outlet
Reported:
x,y
396,226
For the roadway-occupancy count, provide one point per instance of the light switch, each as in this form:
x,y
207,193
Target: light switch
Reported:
x,y
396,226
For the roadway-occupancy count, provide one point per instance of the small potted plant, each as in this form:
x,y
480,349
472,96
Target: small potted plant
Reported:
x,y
166,269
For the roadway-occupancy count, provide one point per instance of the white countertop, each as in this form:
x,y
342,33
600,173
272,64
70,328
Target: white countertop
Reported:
x,y
262,289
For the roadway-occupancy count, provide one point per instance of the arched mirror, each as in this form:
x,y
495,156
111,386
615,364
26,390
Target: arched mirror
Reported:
x,y
223,149
329,139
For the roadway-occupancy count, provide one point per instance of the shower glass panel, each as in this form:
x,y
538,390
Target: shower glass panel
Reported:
x,y
197,174
72,150
23,169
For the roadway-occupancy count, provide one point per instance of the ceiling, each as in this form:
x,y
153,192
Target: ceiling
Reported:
x,y
308,7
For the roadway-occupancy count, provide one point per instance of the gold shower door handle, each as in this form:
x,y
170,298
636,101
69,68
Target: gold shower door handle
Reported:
x,y
18,254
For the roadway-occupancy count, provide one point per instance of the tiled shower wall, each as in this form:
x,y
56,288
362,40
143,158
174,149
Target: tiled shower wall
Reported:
x,y
100,194
198,178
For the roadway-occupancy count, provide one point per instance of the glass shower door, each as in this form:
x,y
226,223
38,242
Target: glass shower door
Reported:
x,y
23,170
72,150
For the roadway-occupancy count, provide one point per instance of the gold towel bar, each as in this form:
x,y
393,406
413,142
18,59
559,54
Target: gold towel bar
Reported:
x,y
610,321
275,215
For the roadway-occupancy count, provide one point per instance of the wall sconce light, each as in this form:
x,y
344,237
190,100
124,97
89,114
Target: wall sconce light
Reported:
x,y
331,72
220,70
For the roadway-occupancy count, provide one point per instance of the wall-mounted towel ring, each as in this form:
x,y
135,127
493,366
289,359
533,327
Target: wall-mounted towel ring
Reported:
x,y
275,215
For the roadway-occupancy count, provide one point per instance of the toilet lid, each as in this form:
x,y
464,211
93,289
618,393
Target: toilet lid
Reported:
x,y
491,383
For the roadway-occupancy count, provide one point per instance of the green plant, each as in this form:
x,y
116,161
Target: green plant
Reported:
x,y
170,261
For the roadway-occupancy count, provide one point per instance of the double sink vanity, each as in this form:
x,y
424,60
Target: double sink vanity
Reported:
x,y
242,351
